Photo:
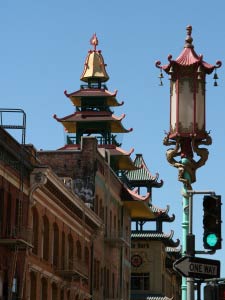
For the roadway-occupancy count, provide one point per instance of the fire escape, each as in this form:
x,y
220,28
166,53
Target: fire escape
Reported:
x,y
14,236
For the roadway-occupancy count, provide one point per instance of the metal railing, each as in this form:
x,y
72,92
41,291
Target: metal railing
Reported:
x,y
16,234
72,266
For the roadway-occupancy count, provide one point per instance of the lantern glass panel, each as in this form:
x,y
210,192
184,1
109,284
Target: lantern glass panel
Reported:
x,y
186,105
200,107
173,107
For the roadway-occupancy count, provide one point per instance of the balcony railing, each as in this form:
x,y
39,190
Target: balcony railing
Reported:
x,y
72,139
14,235
72,268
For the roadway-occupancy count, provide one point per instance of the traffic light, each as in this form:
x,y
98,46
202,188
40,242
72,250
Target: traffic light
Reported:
x,y
221,291
210,292
214,291
212,222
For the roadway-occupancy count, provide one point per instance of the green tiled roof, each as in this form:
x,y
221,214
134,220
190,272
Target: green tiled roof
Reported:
x,y
167,239
142,176
162,214
145,296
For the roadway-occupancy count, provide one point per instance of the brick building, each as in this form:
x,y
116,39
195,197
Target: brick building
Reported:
x,y
66,214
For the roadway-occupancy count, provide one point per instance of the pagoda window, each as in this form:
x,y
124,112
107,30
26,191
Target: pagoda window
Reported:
x,y
94,104
140,281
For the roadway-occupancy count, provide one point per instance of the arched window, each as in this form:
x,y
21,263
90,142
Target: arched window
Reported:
x,y
63,260
79,250
55,244
35,229
70,251
33,286
9,230
54,291
62,294
45,238
86,255
44,289
1,210
113,285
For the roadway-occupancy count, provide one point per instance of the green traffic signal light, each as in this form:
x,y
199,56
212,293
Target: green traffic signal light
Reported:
x,y
211,239
212,222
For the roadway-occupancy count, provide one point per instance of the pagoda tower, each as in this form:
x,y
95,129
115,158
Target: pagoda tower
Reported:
x,y
93,115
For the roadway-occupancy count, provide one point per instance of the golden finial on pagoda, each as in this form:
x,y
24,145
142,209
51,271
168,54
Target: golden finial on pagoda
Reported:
x,y
94,67
94,41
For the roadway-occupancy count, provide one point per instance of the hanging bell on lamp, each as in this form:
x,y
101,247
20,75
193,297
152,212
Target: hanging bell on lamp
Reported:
x,y
170,72
215,77
160,78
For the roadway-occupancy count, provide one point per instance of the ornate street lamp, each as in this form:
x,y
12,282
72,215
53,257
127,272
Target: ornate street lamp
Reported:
x,y
187,132
187,76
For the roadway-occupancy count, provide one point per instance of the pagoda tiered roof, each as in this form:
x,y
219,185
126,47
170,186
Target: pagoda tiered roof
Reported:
x,y
138,205
142,177
162,214
175,251
109,97
158,298
70,121
119,158
167,239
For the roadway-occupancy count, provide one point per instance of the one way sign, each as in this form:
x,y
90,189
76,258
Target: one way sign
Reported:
x,y
197,267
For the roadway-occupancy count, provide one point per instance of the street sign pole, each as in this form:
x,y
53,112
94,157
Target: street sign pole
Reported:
x,y
190,281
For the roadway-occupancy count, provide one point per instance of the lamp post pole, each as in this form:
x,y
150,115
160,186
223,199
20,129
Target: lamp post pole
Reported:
x,y
187,132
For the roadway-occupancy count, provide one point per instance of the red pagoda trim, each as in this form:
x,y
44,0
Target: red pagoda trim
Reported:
x,y
137,197
188,57
98,116
91,92
119,151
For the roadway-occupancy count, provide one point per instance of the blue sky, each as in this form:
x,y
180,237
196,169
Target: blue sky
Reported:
x,y
43,47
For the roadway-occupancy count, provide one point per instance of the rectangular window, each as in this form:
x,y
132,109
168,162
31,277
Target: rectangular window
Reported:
x,y
140,281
